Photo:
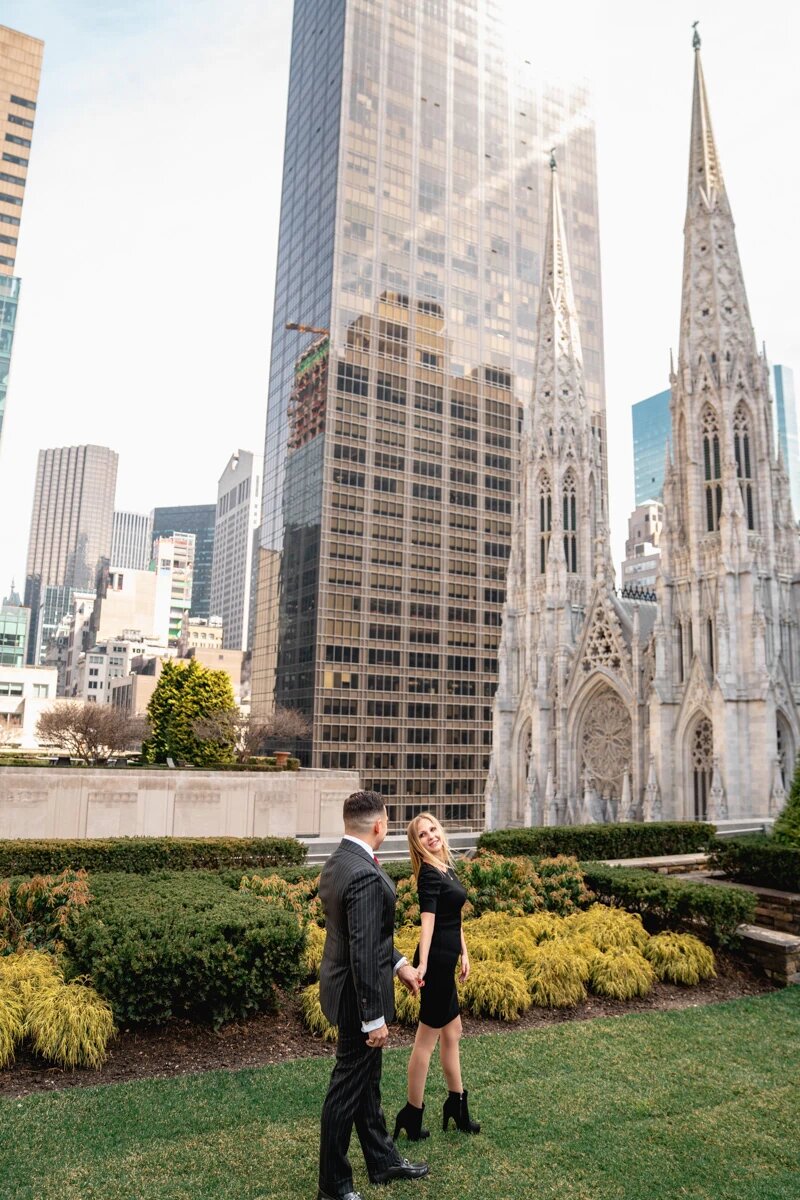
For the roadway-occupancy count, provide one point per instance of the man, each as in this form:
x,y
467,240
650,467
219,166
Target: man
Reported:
x,y
357,994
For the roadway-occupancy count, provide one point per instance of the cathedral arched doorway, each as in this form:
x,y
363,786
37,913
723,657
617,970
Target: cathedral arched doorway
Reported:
x,y
701,753
605,744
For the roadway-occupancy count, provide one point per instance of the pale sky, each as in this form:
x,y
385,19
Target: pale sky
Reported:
x,y
149,233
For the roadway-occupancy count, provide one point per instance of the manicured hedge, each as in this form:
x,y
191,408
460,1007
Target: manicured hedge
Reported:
x,y
622,840
143,854
669,902
759,861
183,944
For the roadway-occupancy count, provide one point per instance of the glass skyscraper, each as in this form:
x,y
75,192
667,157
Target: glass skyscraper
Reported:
x,y
20,68
786,430
198,519
412,223
70,538
652,433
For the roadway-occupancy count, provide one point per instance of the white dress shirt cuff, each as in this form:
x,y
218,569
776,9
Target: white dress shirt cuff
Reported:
x,y
368,1026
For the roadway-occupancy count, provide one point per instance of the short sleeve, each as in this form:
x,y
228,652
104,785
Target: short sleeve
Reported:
x,y
429,885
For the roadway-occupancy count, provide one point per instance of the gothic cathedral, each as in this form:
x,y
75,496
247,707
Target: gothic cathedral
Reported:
x,y
686,707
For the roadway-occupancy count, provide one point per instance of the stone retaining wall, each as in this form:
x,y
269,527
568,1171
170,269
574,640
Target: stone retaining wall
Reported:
x,y
75,802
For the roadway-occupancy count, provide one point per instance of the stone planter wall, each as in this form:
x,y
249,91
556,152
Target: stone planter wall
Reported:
x,y
76,802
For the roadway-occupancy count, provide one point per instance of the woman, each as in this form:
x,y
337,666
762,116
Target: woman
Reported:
x,y
441,898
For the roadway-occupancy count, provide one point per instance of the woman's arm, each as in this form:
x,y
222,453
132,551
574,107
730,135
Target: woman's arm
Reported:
x,y
427,920
463,974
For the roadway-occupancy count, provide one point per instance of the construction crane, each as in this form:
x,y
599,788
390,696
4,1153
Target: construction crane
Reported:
x,y
306,328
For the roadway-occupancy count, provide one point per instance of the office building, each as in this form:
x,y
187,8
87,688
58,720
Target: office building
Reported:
x,y
132,540
14,626
70,538
642,554
238,515
20,69
786,433
173,563
201,634
409,263
113,659
25,693
652,433
199,520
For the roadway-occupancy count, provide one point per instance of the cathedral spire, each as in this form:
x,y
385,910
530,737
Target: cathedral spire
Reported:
x,y
558,380
715,318
704,167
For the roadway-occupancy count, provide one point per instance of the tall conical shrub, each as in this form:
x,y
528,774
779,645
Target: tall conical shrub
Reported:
x,y
787,826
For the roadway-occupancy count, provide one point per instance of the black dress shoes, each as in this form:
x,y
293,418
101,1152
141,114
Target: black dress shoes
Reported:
x,y
346,1196
400,1170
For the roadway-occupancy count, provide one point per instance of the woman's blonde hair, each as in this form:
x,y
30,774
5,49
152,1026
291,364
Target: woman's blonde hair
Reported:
x,y
419,853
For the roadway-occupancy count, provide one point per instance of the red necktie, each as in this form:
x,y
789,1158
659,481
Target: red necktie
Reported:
x,y
377,860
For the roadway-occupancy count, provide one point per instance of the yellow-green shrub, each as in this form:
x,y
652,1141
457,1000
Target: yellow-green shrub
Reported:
x,y
582,947
313,1015
406,938
542,927
680,958
609,928
315,944
621,973
555,975
406,1006
12,1022
496,989
70,1024
30,972
480,948
491,923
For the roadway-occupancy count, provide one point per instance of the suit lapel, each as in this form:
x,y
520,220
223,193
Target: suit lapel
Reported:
x,y
352,848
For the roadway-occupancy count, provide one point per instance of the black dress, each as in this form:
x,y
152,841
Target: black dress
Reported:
x,y
440,894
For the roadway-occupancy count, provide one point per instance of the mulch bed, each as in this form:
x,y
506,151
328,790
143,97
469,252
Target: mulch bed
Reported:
x,y
182,1048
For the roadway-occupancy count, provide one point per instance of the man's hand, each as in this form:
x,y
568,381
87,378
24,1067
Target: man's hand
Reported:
x,y
379,1037
408,977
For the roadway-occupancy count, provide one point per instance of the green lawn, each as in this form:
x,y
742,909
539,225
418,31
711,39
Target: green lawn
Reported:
x,y
702,1103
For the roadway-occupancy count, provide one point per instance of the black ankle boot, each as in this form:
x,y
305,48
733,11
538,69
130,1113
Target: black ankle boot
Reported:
x,y
455,1106
410,1119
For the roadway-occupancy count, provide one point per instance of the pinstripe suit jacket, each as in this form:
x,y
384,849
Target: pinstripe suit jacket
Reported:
x,y
358,899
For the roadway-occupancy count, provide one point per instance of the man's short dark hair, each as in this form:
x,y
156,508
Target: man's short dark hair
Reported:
x,y
363,808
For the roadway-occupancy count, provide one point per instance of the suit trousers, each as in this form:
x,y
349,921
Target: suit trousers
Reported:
x,y
354,1098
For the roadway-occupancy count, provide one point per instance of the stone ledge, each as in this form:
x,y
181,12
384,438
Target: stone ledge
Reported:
x,y
664,864
776,954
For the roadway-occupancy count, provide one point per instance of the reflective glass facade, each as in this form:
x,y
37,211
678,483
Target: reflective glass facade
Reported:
x,y
652,433
198,519
20,68
9,298
411,233
14,622
786,430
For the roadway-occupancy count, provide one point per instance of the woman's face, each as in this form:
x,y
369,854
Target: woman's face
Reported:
x,y
429,835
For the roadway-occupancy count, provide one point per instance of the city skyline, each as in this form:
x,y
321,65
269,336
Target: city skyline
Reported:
x,y
640,158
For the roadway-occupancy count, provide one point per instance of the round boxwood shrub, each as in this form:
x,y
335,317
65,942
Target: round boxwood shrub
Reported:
x,y
183,944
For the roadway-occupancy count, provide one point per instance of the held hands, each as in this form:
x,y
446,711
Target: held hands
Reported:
x,y
379,1037
421,969
409,977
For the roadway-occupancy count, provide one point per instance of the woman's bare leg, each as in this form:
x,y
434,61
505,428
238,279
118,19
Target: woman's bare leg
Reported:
x,y
449,1054
420,1061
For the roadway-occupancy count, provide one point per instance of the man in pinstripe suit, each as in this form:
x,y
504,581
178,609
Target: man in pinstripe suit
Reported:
x,y
357,994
